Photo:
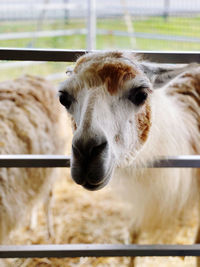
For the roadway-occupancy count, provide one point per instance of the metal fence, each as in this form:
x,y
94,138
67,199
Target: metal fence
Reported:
x,y
92,250
167,25
153,25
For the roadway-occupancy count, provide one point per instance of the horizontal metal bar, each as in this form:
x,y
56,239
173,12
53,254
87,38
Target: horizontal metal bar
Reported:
x,y
189,161
39,34
71,55
173,57
143,35
69,32
40,54
97,250
33,161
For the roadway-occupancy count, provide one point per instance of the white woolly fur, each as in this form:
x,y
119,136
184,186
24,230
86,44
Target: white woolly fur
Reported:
x,y
157,196
30,123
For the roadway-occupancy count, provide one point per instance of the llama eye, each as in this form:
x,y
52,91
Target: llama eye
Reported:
x,y
138,96
65,99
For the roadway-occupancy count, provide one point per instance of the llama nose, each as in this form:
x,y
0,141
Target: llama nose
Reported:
x,y
87,160
90,149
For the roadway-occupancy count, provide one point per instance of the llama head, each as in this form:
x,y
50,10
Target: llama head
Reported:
x,y
108,96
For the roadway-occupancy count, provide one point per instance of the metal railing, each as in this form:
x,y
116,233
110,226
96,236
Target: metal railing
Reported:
x,y
53,161
61,55
97,250
93,250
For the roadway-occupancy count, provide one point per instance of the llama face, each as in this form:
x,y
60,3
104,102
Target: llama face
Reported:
x,y
108,97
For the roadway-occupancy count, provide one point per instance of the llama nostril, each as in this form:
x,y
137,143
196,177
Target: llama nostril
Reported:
x,y
90,149
98,149
76,151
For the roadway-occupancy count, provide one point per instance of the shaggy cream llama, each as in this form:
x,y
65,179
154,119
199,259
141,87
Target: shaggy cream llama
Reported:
x,y
30,123
126,114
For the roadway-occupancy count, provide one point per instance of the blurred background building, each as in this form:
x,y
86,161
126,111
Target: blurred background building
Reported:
x,y
106,24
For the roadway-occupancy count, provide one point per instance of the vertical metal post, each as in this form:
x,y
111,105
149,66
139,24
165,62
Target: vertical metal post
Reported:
x,y
129,24
40,22
66,12
166,9
91,25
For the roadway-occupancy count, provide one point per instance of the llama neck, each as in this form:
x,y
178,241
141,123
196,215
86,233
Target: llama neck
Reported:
x,y
156,194
170,132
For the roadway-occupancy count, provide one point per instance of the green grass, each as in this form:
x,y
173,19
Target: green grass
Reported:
x,y
65,42
173,26
176,26
43,70
26,26
180,26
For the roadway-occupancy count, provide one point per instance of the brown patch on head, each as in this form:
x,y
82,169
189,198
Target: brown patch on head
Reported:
x,y
143,122
95,57
109,68
74,127
114,74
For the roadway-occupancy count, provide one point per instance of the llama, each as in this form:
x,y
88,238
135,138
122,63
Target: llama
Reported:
x,y
30,123
125,114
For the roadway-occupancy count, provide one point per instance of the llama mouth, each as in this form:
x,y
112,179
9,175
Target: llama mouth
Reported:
x,y
92,187
102,184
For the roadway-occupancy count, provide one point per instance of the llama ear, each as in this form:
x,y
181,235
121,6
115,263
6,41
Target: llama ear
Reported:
x,y
69,70
161,74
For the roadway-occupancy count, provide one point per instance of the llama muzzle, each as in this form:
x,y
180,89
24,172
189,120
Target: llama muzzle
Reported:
x,y
89,167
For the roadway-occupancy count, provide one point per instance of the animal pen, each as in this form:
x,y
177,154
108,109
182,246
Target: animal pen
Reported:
x,y
92,250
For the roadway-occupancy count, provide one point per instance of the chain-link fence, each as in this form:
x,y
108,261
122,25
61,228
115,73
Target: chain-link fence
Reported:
x,y
157,25
123,24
